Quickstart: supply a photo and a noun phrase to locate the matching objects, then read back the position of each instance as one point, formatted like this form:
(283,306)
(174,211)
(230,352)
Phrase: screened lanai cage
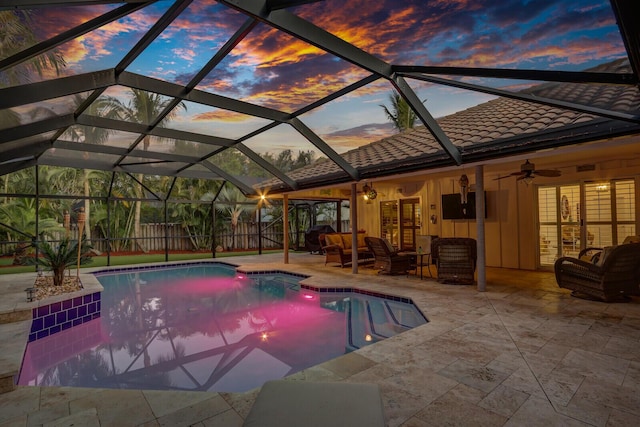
(168,120)
(125,214)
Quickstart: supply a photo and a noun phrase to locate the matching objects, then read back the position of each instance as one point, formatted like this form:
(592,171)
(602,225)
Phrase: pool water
(205,327)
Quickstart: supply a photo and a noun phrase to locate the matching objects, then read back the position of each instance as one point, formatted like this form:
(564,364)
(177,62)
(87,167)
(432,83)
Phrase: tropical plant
(193,209)
(58,259)
(233,204)
(17,35)
(145,108)
(400,113)
(107,107)
(18,216)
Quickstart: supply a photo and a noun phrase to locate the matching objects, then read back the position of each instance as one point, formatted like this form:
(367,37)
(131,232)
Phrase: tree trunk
(87,206)
(58,276)
(136,218)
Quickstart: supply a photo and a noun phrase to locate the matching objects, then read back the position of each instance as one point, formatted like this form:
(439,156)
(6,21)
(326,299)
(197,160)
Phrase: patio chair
(612,276)
(455,259)
(387,260)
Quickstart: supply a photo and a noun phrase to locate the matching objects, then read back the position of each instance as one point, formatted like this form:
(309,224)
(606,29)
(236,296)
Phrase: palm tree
(17,35)
(107,107)
(400,113)
(20,214)
(144,108)
(195,217)
(58,259)
(231,200)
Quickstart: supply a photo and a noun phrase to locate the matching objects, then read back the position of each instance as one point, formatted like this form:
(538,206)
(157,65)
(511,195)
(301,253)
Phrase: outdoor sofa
(338,247)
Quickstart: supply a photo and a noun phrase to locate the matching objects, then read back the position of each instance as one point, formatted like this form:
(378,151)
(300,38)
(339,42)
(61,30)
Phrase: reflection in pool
(205,327)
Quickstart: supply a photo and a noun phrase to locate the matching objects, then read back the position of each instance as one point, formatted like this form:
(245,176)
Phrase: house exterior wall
(511,222)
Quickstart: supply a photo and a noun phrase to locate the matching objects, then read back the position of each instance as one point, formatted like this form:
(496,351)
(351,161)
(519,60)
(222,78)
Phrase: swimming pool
(207,327)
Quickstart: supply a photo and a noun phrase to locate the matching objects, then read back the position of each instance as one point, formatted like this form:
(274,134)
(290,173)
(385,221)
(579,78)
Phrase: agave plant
(59,258)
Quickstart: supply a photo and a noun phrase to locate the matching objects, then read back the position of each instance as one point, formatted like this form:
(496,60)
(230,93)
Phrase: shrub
(59,258)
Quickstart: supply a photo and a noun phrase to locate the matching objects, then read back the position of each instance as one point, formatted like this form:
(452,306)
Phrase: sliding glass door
(573,217)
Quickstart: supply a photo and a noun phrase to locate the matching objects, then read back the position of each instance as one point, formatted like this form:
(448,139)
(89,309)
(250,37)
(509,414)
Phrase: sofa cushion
(334,239)
(346,241)
(603,255)
(361,242)
(388,245)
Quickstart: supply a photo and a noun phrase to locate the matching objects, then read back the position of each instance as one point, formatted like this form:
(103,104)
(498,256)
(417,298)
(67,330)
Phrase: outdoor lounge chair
(387,260)
(455,259)
(612,276)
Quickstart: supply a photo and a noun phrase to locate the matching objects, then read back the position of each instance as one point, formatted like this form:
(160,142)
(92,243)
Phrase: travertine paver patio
(522,353)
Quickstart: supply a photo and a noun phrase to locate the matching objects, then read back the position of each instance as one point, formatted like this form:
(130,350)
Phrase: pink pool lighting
(205,328)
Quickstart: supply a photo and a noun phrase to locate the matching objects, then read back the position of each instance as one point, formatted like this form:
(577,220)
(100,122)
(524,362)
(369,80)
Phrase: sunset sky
(272,69)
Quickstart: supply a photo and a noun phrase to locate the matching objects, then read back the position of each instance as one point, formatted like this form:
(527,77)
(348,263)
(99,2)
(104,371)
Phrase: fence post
(259,231)
(166,230)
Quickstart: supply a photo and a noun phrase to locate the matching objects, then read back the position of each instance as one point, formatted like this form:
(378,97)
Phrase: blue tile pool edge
(61,315)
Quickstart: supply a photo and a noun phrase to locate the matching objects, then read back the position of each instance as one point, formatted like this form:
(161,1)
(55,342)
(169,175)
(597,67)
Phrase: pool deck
(522,353)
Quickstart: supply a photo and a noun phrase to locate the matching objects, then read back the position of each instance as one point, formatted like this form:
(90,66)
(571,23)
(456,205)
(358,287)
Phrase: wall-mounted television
(452,207)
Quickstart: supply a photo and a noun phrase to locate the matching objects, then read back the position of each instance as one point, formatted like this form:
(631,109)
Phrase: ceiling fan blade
(547,172)
(510,175)
(523,176)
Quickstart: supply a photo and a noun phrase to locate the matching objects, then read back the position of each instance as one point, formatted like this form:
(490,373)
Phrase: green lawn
(101,261)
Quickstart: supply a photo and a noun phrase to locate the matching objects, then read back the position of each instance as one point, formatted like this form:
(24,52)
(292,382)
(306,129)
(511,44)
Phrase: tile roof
(494,128)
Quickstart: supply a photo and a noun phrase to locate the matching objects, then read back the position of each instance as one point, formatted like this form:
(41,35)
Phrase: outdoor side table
(419,257)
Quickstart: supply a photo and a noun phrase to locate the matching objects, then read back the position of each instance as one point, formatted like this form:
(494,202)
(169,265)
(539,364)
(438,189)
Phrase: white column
(354,228)
(285,221)
(480,208)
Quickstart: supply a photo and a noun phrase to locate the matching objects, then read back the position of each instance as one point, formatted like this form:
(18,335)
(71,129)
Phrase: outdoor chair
(611,275)
(455,259)
(387,260)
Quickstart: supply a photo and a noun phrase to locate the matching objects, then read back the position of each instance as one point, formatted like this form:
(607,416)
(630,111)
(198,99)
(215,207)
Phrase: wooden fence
(153,239)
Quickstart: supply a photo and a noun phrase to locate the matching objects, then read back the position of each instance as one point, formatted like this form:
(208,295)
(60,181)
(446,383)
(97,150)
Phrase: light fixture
(527,179)
(369,193)
(464,188)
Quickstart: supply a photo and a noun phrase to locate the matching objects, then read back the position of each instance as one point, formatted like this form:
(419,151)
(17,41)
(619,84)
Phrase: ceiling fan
(528,171)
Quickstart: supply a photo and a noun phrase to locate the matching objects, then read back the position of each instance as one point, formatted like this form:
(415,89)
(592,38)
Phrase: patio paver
(522,353)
